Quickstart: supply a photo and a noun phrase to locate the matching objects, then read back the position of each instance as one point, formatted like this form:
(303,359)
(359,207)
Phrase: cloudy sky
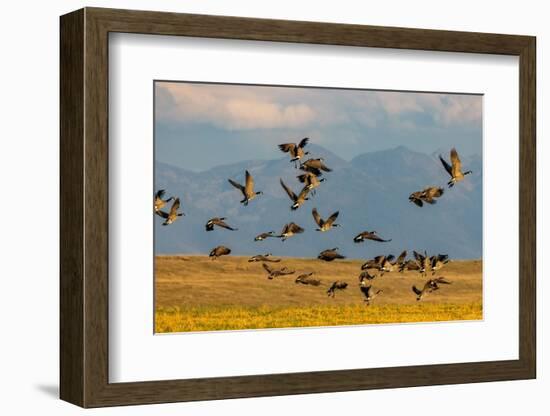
(199,126)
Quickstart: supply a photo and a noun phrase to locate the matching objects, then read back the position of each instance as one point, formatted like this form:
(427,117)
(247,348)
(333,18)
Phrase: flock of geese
(311,178)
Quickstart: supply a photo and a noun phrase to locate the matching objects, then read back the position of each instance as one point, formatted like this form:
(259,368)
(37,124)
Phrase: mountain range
(370,192)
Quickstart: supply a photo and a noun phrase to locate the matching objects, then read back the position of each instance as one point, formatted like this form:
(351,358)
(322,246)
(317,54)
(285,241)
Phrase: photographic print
(291,206)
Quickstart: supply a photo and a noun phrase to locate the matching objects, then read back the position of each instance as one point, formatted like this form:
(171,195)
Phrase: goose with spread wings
(271,273)
(324,225)
(297,200)
(429,287)
(454,169)
(369,235)
(263,257)
(330,255)
(220,222)
(369,293)
(289,230)
(427,195)
(247,190)
(295,150)
(219,251)
(315,166)
(170,217)
(337,285)
(306,279)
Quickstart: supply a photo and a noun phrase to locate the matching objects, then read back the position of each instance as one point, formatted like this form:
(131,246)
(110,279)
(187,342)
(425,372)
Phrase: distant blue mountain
(370,192)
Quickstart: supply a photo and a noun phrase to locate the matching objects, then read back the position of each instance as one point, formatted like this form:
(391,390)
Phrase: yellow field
(195,293)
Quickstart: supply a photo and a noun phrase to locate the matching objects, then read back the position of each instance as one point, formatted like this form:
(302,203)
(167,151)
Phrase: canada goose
(296,199)
(372,264)
(263,257)
(330,255)
(338,285)
(263,236)
(310,180)
(219,251)
(455,171)
(423,262)
(369,235)
(219,222)
(426,195)
(324,225)
(170,217)
(296,150)
(276,272)
(159,202)
(366,290)
(306,279)
(289,230)
(366,276)
(429,287)
(385,264)
(437,262)
(315,166)
(247,190)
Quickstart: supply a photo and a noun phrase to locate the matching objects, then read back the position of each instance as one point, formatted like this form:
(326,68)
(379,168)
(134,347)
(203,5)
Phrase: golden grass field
(195,293)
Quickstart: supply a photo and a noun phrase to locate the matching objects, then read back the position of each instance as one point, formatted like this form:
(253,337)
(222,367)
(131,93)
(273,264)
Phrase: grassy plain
(195,293)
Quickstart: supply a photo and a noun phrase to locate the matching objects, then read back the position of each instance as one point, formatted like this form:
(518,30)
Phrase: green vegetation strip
(208,318)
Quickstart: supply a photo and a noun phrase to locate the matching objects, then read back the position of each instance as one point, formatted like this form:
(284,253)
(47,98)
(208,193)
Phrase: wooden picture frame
(84,207)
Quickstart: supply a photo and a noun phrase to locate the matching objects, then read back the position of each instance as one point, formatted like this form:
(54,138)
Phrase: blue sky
(200,126)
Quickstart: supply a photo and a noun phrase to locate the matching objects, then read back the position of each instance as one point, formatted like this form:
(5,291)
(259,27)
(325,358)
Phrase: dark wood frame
(84,207)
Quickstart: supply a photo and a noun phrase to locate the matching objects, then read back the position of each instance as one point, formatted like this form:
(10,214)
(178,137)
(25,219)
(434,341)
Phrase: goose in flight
(296,199)
(367,292)
(219,251)
(271,273)
(369,235)
(248,188)
(220,222)
(423,262)
(455,171)
(296,150)
(337,285)
(289,230)
(429,287)
(306,279)
(263,257)
(401,259)
(170,217)
(159,202)
(437,262)
(263,236)
(330,255)
(427,195)
(315,166)
(324,225)
(381,263)
(409,265)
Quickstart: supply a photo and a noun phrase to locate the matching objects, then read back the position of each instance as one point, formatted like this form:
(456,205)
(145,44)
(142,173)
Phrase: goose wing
(175,207)
(447,167)
(419,257)
(289,192)
(324,167)
(416,290)
(287,147)
(402,256)
(443,280)
(317,217)
(295,228)
(375,237)
(330,220)
(223,224)
(162,214)
(160,194)
(249,184)
(455,160)
(305,178)
(236,185)
(303,142)
(267,268)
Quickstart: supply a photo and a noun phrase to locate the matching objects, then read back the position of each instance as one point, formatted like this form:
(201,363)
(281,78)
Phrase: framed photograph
(255,207)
